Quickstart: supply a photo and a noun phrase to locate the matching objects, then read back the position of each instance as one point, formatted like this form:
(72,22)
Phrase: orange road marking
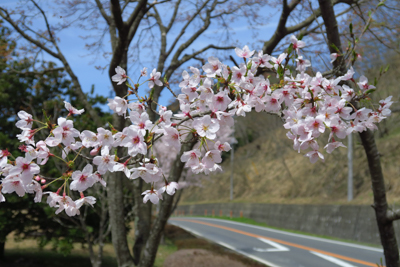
(282,242)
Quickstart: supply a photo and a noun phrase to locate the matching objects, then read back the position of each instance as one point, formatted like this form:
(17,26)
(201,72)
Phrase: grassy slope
(26,253)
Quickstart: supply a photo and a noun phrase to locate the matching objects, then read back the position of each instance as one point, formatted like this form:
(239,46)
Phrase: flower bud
(43,181)
(95,151)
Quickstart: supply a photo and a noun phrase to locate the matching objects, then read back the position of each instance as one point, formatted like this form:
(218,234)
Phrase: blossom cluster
(210,97)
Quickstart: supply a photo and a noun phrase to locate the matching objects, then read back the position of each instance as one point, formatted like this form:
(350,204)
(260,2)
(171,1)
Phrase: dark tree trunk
(142,222)
(385,225)
(150,250)
(115,191)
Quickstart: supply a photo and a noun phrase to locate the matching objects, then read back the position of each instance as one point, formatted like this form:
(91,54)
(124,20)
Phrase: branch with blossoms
(209,98)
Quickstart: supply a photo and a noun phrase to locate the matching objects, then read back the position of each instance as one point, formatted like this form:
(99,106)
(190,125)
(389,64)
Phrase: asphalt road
(278,248)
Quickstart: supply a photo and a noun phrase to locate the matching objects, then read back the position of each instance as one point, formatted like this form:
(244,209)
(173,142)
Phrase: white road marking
(270,264)
(297,235)
(277,247)
(333,260)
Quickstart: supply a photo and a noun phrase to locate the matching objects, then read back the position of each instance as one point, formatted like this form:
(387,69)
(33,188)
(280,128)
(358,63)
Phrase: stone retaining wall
(348,222)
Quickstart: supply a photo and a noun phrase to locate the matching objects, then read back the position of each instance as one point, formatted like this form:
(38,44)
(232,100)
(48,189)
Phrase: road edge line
(270,264)
(293,234)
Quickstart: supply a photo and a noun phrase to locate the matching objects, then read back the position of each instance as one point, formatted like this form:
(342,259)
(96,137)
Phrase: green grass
(253,222)
(164,250)
(32,256)
(47,258)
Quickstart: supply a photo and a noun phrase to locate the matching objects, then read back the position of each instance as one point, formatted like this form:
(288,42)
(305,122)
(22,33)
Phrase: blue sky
(83,62)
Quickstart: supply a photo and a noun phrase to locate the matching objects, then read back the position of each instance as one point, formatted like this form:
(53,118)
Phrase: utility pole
(232,157)
(350,165)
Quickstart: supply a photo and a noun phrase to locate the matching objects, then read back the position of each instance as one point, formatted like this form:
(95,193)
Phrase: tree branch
(6,16)
(103,12)
(117,16)
(182,32)
(173,15)
(393,215)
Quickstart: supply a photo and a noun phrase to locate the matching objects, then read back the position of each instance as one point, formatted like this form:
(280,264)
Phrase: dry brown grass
(268,170)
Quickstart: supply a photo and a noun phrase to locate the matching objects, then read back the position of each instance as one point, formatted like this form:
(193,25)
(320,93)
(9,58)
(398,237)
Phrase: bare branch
(103,12)
(6,16)
(46,21)
(393,215)
(182,32)
(187,57)
(173,15)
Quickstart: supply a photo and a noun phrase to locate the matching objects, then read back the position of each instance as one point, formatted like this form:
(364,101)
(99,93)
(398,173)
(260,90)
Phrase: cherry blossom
(154,79)
(333,57)
(13,184)
(210,97)
(25,121)
(72,110)
(82,180)
(25,168)
(244,53)
(153,195)
(206,127)
(120,75)
(105,162)
(169,188)
(297,44)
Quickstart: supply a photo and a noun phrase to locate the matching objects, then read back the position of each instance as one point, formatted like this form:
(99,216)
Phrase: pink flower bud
(95,151)
(43,181)
(37,178)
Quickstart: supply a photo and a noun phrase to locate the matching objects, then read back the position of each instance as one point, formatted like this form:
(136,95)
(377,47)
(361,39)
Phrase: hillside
(269,170)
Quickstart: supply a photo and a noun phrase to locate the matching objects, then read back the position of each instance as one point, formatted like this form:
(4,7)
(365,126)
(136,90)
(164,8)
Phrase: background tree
(36,88)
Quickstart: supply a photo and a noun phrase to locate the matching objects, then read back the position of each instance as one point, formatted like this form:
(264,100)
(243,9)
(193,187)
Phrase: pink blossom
(244,53)
(171,137)
(105,162)
(153,195)
(120,75)
(297,44)
(13,184)
(25,168)
(25,121)
(72,110)
(35,187)
(154,79)
(118,105)
(191,158)
(213,67)
(222,147)
(211,157)
(169,188)
(143,72)
(314,156)
(134,141)
(206,127)
(82,180)
(85,200)
(332,146)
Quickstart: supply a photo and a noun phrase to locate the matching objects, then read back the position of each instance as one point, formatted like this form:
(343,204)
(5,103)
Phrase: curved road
(278,248)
